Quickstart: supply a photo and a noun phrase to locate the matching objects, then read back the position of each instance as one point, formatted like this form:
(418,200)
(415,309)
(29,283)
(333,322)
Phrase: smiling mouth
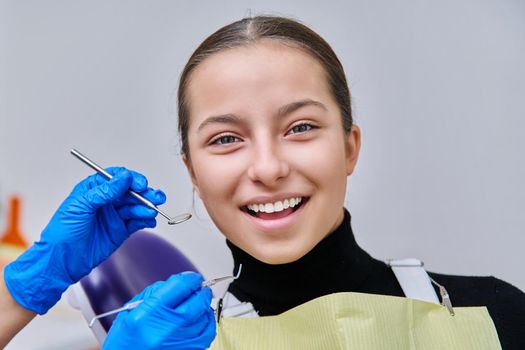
(275,210)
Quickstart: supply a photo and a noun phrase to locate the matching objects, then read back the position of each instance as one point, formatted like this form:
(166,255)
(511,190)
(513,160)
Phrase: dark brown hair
(248,31)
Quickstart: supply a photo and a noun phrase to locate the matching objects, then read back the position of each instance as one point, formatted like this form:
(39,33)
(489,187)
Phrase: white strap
(414,280)
(232,307)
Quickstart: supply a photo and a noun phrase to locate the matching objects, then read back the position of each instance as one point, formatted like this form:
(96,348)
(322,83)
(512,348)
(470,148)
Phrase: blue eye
(224,140)
(300,128)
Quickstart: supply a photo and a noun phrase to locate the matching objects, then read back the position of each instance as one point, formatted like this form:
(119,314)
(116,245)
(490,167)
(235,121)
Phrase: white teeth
(268,208)
(275,206)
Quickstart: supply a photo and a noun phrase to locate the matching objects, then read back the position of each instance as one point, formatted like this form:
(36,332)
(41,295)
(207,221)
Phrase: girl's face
(267,152)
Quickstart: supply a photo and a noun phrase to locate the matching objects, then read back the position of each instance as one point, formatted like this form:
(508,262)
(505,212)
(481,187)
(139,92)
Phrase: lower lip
(277,224)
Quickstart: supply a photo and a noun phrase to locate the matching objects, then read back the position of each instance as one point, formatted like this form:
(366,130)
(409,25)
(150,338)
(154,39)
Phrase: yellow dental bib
(362,321)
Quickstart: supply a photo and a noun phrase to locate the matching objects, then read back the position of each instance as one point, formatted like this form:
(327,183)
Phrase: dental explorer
(171,220)
(134,304)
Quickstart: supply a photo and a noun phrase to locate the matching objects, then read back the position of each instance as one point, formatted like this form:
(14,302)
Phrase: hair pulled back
(249,31)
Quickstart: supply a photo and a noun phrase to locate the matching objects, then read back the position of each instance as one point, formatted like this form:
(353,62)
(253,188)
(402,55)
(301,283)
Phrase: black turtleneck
(338,264)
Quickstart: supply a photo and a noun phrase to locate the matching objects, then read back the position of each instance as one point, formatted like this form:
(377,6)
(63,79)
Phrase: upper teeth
(275,206)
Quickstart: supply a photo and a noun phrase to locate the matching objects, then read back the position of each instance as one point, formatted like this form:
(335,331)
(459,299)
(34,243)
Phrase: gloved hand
(89,225)
(175,314)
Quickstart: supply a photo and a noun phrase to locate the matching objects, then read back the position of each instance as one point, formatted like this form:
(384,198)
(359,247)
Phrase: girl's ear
(189,167)
(353,145)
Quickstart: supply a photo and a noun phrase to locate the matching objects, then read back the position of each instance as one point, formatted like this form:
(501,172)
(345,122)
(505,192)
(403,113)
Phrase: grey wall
(438,90)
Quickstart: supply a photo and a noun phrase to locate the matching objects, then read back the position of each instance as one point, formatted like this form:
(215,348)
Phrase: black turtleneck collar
(336,264)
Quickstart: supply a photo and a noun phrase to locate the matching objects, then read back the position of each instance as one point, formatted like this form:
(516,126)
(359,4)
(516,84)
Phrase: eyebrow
(220,119)
(292,107)
(283,111)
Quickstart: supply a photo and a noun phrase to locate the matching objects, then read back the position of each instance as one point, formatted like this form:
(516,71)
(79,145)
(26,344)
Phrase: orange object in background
(13,235)
(12,241)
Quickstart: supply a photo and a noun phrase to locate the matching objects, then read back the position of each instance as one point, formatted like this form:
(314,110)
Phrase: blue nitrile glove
(175,314)
(88,226)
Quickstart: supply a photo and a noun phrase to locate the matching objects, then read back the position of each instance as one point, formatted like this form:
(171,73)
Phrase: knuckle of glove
(193,310)
(211,330)
(132,321)
(114,170)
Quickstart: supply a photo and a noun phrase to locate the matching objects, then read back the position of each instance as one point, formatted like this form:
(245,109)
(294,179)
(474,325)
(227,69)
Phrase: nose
(268,166)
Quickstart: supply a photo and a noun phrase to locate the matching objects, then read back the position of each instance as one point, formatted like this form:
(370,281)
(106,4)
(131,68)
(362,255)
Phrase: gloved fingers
(109,191)
(177,288)
(193,309)
(153,325)
(190,331)
(164,295)
(152,293)
(134,225)
(201,335)
(128,212)
(210,330)
(85,185)
(156,197)
(146,292)
(95,179)
(139,183)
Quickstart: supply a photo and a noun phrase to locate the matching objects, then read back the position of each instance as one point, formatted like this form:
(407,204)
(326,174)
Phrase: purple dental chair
(143,259)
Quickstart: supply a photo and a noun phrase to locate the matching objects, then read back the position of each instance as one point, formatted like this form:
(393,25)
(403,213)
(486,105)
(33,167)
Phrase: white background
(438,90)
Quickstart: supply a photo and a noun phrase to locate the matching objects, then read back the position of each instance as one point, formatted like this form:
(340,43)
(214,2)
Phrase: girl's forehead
(263,54)
(259,75)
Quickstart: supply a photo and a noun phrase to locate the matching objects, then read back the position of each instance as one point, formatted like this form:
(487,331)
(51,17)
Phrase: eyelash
(220,140)
(308,126)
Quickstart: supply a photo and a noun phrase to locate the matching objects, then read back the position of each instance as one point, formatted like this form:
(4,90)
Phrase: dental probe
(171,220)
(134,304)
